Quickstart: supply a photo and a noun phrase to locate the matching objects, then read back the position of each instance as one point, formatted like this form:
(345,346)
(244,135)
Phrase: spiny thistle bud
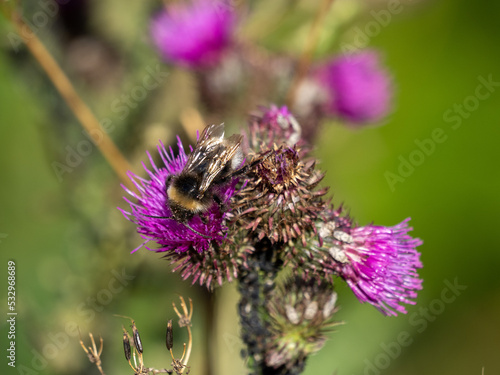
(301,313)
(279,200)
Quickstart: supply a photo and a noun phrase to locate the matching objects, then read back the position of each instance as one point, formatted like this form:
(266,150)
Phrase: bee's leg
(223,207)
(158,217)
(246,168)
(195,231)
(184,218)
(168,181)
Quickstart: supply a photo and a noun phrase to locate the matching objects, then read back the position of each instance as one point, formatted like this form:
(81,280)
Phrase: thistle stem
(82,112)
(255,284)
(209,302)
(307,54)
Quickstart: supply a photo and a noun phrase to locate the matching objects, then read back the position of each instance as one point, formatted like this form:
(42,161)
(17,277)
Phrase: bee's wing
(211,154)
(220,158)
(213,131)
(210,139)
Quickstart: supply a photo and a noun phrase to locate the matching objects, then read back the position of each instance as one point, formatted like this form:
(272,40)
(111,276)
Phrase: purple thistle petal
(382,266)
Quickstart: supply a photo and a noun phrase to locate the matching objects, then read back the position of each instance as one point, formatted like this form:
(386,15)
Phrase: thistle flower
(382,266)
(300,314)
(194,35)
(256,283)
(279,200)
(379,263)
(207,258)
(359,90)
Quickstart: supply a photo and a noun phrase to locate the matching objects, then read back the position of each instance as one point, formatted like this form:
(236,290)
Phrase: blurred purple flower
(274,125)
(358,88)
(276,117)
(153,217)
(379,264)
(194,35)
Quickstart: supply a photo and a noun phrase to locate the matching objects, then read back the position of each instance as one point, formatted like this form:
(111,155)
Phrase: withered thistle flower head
(279,200)
(280,170)
(300,314)
(208,259)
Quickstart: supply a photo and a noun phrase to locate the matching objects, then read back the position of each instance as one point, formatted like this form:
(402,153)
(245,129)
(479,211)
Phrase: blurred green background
(71,245)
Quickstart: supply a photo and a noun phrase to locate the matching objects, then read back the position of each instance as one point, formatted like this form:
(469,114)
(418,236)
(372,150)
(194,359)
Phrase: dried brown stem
(185,321)
(307,54)
(82,112)
(93,354)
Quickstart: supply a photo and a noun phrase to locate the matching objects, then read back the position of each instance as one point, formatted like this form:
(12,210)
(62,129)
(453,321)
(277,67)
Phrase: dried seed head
(279,172)
(137,338)
(170,335)
(126,345)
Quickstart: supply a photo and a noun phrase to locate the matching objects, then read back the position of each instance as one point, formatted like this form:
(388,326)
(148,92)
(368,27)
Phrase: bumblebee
(213,162)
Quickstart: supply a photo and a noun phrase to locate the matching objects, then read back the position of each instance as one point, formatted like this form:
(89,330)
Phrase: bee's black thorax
(188,184)
(184,197)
